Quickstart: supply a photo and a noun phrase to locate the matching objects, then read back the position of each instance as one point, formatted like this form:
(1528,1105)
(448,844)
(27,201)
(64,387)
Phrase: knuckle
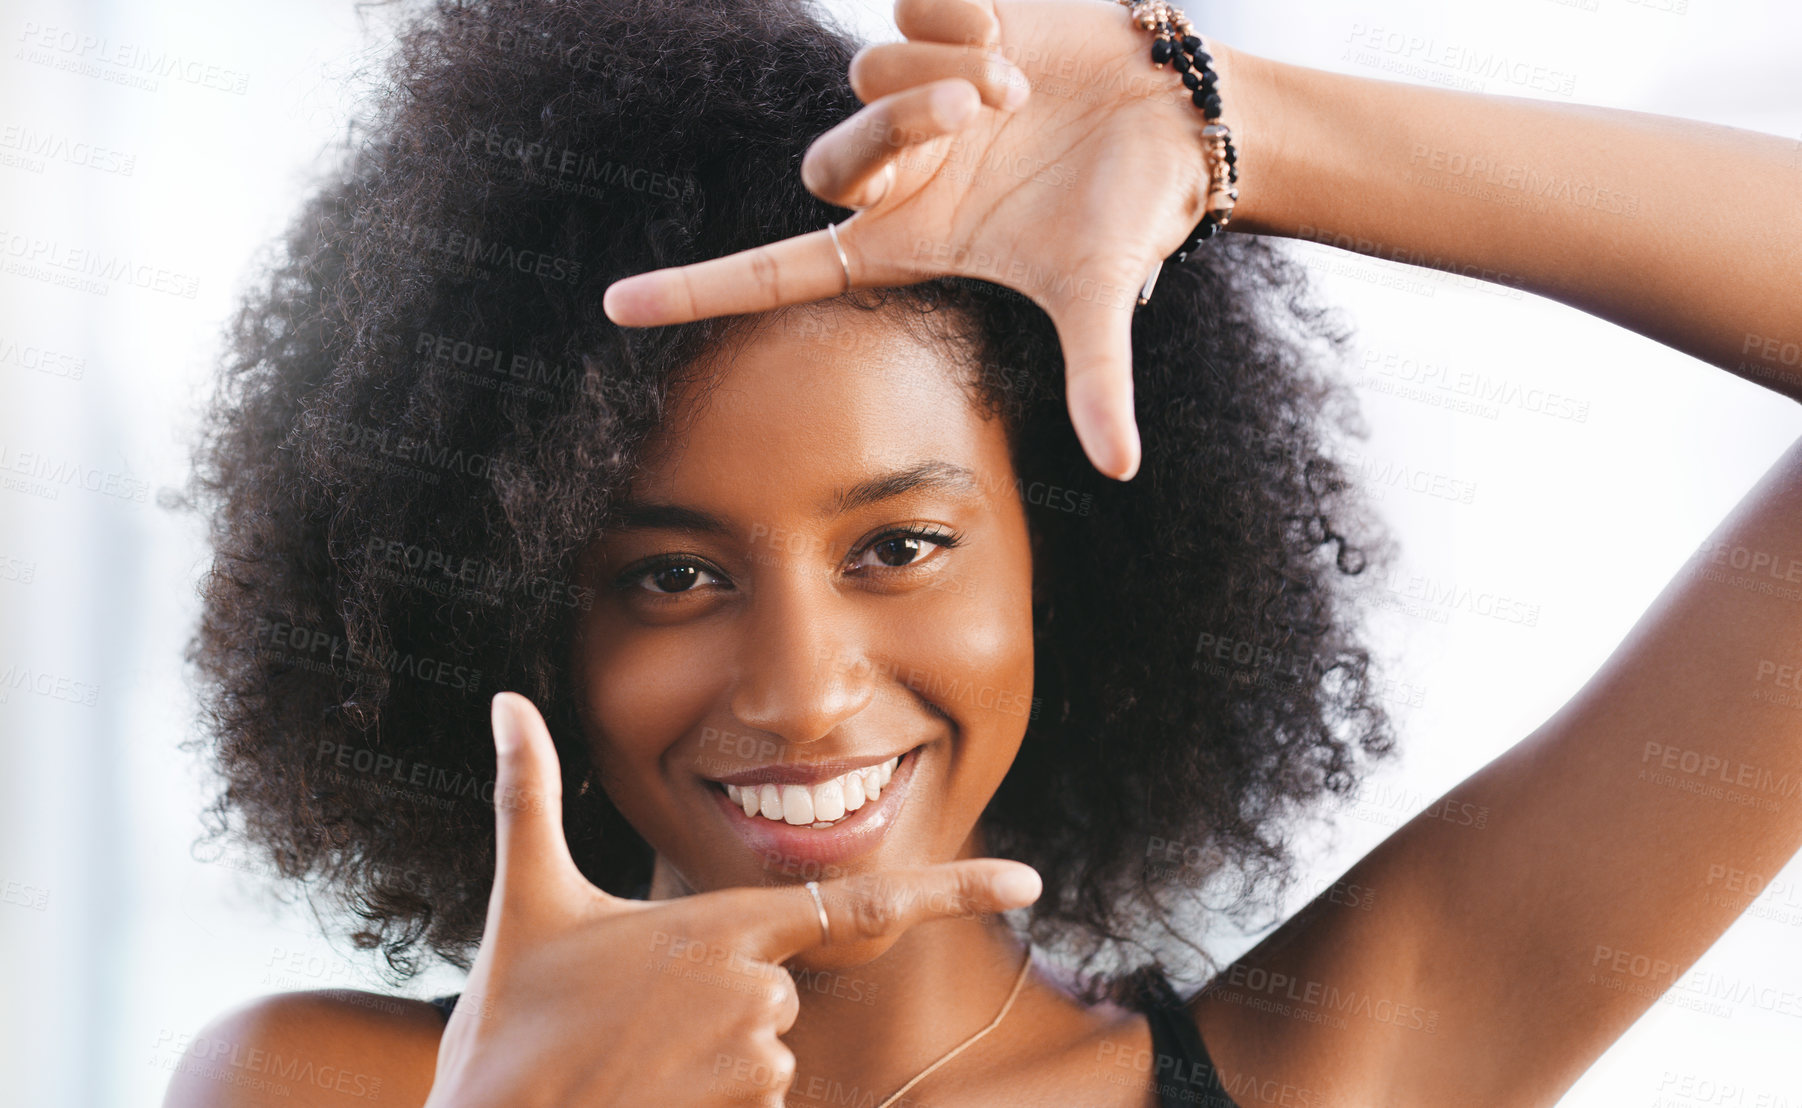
(764,271)
(686,285)
(968,895)
(774,998)
(1110,265)
(876,912)
(781,1061)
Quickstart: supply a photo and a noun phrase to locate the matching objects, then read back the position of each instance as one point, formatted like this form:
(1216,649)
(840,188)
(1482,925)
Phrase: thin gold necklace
(1019,979)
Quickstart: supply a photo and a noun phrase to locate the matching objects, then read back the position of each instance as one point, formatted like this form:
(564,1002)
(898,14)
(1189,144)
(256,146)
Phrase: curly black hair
(424,417)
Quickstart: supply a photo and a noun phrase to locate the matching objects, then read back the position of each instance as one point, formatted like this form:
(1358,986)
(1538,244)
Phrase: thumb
(531,855)
(1096,337)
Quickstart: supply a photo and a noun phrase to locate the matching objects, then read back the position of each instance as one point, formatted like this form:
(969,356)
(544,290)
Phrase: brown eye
(904,549)
(671,579)
(898,551)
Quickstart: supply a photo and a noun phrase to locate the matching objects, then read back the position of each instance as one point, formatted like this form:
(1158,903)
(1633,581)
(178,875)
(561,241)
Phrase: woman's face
(824,566)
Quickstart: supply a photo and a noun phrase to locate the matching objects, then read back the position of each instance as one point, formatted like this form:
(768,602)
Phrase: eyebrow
(927,476)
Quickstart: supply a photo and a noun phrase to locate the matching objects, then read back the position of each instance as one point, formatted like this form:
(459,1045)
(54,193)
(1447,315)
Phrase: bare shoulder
(321,1047)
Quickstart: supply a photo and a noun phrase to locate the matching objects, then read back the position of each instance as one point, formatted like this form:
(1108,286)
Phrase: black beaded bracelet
(1175,42)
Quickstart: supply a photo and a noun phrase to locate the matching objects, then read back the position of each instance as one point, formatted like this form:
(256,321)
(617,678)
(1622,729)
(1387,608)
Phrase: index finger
(881,905)
(792,271)
(966,22)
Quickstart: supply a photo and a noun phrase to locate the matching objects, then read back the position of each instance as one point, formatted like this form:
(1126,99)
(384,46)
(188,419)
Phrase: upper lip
(811,772)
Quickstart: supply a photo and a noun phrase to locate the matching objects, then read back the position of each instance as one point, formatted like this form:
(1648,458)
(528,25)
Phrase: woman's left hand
(1070,195)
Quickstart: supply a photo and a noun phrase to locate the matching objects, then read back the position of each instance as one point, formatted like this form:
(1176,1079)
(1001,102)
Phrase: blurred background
(1594,469)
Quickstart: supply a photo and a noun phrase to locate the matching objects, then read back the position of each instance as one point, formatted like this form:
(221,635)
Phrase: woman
(824,593)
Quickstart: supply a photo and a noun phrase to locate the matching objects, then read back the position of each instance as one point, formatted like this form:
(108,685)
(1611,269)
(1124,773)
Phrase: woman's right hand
(579,997)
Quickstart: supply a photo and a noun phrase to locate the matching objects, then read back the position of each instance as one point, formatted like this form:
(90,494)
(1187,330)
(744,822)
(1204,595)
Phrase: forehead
(817,398)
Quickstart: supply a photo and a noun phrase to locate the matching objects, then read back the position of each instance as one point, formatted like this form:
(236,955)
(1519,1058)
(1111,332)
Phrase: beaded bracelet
(1175,41)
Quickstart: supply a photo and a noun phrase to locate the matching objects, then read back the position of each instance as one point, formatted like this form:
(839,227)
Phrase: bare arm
(1519,926)
(1688,233)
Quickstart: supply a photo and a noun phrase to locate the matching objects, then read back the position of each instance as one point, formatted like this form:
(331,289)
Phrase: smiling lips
(785,823)
(821,805)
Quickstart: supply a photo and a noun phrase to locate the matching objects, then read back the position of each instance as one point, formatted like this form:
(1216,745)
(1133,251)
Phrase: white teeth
(829,800)
(797,804)
(820,805)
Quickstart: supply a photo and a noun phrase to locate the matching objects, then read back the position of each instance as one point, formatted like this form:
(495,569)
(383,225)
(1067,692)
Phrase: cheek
(642,693)
(970,653)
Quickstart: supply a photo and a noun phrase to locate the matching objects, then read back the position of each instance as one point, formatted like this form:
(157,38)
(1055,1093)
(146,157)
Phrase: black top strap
(1182,1073)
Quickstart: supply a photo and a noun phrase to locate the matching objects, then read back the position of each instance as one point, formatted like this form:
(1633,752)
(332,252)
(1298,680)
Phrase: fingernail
(1019,885)
(1118,457)
(1136,453)
(1017,88)
(1106,457)
(504,723)
(618,298)
(953,104)
(610,301)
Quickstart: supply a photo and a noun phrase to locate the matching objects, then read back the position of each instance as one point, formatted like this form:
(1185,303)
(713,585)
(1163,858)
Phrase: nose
(802,664)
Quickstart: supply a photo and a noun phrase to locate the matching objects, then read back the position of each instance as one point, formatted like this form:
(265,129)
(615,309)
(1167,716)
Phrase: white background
(136,944)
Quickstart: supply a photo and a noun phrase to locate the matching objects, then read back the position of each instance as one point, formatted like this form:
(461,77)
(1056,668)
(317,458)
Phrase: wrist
(1256,93)
(1249,107)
